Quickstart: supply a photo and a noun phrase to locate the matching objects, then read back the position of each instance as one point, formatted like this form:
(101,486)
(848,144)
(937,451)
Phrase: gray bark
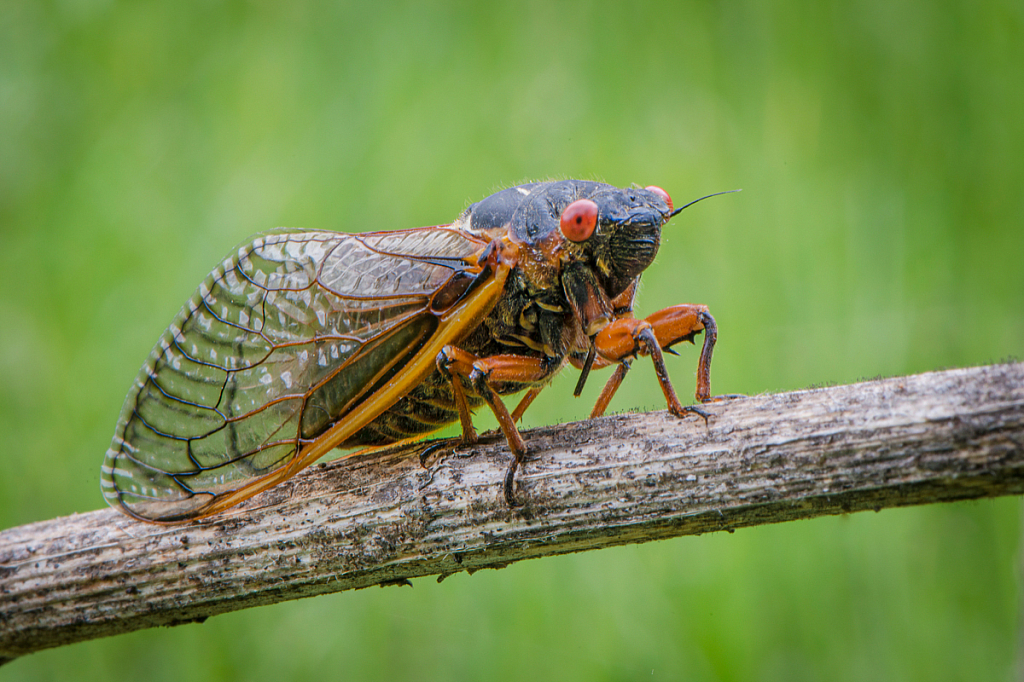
(381,519)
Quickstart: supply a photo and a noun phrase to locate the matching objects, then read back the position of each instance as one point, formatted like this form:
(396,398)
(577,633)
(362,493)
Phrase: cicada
(305,341)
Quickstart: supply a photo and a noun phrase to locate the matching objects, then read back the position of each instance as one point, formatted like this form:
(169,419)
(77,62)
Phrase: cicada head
(597,238)
(614,231)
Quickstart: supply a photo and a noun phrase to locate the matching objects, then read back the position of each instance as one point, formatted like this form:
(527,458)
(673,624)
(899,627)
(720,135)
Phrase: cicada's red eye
(579,220)
(662,193)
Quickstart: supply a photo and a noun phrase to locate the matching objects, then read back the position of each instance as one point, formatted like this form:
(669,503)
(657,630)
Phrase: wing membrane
(281,342)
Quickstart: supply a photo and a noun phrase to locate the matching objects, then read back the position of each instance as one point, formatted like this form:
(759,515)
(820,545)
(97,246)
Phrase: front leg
(627,338)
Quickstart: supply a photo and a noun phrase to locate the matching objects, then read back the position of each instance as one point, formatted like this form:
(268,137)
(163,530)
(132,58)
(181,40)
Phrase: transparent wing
(277,344)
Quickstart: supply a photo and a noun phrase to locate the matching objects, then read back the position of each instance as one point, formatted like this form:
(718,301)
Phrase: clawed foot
(438,449)
(509,485)
(684,410)
(435,451)
(691,409)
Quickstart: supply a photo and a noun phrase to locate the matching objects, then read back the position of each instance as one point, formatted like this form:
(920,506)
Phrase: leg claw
(692,409)
(509,485)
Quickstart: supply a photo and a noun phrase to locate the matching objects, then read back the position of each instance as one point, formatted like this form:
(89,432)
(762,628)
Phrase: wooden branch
(630,478)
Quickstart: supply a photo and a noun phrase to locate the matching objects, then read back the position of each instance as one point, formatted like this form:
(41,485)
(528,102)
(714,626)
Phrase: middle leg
(483,374)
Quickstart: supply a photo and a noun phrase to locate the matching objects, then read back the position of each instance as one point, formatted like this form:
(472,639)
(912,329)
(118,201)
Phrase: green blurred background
(880,147)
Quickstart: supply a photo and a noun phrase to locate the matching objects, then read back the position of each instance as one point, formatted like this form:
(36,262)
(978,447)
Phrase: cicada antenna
(728,191)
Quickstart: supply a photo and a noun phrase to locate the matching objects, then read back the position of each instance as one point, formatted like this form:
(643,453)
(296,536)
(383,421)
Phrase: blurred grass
(880,147)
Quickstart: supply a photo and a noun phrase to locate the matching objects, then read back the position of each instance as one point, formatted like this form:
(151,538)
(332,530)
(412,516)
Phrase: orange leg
(626,338)
(454,363)
(609,389)
(482,374)
(527,400)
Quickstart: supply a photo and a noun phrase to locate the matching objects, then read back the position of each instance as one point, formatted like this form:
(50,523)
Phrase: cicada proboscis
(304,341)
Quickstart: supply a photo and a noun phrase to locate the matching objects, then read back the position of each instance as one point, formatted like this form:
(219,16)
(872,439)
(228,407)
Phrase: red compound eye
(579,220)
(662,193)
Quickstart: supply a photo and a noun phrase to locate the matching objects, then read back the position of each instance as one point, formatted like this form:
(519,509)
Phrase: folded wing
(281,342)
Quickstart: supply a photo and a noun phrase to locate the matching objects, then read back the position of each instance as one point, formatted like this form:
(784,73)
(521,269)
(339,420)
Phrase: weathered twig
(631,478)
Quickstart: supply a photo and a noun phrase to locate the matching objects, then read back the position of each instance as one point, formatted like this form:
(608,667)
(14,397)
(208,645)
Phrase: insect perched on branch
(304,341)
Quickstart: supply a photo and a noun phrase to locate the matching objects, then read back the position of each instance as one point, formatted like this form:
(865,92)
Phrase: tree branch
(384,519)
